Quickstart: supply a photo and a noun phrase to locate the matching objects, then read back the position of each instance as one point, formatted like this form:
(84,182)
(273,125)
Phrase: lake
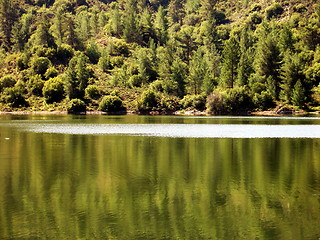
(159,177)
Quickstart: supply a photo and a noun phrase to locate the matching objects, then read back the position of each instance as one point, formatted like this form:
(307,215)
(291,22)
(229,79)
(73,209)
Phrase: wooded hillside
(159,55)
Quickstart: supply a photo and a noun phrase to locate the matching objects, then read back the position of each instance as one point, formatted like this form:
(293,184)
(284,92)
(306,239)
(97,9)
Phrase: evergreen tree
(198,71)
(8,17)
(42,36)
(77,76)
(246,57)
(175,11)
(83,26)
(298,95)
(292,72)
(178,76)
(71,36)
(230,61)
(268,62)
(115,21)
(146,26)
(161,26)
(58,29)
(130,21)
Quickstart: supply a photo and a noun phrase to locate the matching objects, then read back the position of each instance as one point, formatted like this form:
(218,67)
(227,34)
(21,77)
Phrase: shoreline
(177,113)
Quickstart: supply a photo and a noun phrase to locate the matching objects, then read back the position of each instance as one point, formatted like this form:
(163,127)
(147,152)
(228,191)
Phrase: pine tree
(42,36)
(77,76)
(175,11)
(58,27)
(198,71)
(246,57)
(268,61)
(8,17)
(298,95)
(71,36)
(230,61)
(161,26)
(178,76)
(130,21)
(146,26)
(292,72)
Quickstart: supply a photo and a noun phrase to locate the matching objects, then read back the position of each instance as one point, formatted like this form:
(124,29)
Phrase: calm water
(139,177)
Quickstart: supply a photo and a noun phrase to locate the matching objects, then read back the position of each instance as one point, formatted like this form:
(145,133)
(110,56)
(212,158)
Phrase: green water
(69,184)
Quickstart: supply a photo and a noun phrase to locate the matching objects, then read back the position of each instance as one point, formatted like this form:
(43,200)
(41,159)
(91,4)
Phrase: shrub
(92,92)
(40,65)
(238,100)
(104,63)
(169,103)
(136,80)
(197,102)
(255,8)
(157,86)
(76,106)
(300,8)
(53,90)
(274,11)
(116,61)
(92,53)
(51,73)
(7,81)
(148,101)
(255,18)
(14,96)
(22,62)
(65,52)
(263,101)
(119,47)
(216,103)
(220,17)
(35,85)
(111,104)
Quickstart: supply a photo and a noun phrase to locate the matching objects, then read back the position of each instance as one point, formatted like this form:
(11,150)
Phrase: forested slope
(159,55)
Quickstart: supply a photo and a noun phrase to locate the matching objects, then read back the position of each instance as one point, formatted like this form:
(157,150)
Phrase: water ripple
(183,130)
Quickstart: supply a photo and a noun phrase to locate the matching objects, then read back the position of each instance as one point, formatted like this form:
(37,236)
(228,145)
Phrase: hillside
(227,57)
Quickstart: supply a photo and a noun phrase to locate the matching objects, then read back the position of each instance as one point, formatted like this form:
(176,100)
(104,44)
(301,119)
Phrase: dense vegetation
(159,55)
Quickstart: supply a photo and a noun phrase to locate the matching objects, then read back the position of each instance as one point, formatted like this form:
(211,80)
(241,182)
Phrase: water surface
(138,177)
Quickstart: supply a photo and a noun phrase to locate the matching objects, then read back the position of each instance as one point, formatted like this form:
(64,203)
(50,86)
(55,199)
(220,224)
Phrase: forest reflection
(125,187)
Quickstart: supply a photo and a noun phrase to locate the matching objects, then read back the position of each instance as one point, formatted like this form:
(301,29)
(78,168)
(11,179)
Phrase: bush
(35,85)
(14,96)
(92,92)
(238,100)
(53,90)
(274,11)
(40,65)
(263,101)
(51,73)
(157,86)
(231,101)
(197,102)
(64,52)
(22,62)
(7,81)
(255,8)
(220,17)
(216,103)
(76,106)
(148,101)
(169,103)
(300,8)
(104,63)
(255,18)
(111,104)
(92,53)
(135,80)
